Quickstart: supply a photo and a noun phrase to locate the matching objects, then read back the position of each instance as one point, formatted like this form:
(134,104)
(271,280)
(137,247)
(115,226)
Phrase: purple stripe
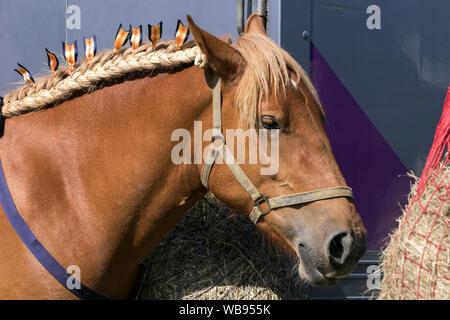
(36,248)
(366,160)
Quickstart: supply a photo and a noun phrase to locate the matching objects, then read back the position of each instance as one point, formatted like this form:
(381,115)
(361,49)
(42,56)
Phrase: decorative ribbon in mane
(136,37)
(121,38)
(53,62)
(181,34)
(50,92)
(90,47)
(70,53)
(154,33)
(25,74)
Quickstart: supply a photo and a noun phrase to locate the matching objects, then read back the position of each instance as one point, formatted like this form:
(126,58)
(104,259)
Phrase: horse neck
(103,162)
(155,190)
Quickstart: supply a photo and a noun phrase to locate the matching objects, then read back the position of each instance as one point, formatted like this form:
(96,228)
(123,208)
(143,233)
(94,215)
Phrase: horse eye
(270,122)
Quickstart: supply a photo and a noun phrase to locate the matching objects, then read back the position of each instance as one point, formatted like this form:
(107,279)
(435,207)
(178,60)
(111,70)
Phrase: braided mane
(105,69)
(268,69)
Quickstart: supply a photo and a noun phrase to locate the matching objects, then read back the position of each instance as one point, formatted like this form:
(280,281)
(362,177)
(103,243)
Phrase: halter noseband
(263,205)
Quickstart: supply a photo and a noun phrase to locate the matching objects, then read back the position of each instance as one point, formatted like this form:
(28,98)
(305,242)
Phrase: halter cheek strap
(262,204)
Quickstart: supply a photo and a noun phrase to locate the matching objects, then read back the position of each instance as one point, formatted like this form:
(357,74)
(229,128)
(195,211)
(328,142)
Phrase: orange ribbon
(25,74)
(154,33)
(90,47)
(121,38)
(53,62)
(181,34)
(70,53)
(136,37)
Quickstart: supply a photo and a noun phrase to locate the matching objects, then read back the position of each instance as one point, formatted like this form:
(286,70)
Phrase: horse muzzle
(339,256)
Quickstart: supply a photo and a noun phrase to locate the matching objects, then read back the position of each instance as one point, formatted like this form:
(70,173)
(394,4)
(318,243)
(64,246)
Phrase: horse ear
(255,24)
(221,56)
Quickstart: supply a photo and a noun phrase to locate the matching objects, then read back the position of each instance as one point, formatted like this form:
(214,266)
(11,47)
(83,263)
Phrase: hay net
(416,263)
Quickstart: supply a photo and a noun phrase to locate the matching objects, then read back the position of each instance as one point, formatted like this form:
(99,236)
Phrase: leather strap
(239,174)
(217,106)
(305,197)
(302,198)
(213,152)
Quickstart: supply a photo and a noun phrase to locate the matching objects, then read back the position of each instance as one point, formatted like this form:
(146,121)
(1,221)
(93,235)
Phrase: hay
(416,262)
(213,255)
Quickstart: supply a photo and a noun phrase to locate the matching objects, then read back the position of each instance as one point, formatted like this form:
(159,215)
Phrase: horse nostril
(339,247)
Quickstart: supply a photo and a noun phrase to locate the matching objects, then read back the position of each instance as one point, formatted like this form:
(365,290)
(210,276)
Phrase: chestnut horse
(93,179)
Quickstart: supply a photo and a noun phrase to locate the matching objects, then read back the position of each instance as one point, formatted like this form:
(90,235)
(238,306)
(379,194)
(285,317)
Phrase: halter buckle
(217,137)
(260,201)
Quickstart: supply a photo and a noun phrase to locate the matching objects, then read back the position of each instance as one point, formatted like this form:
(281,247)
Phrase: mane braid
(105,69)
(268,70)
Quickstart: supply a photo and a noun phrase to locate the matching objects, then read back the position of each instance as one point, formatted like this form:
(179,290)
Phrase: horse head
(264,89)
